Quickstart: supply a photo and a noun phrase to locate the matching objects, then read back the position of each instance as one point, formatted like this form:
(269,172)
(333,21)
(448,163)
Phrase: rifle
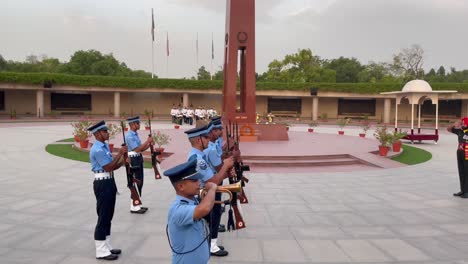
(132,182)
(239,167)
(154,160)
(235,206)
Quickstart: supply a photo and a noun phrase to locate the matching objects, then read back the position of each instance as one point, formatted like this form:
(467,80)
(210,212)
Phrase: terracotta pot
(77,139)
(147,128)
(362,135)
(310,130)
(396,147)
(126,129)
(176,126)
(383,150)
(111,147)
(84,144)
(340,132)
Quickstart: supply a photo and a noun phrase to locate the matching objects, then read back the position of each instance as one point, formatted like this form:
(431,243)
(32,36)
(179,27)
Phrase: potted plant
(12,114)
(396,140)
(365,126)
(312,124)
(342,123)
(324,117)
(82,133)
(382,135)
(161,139)
(113,130)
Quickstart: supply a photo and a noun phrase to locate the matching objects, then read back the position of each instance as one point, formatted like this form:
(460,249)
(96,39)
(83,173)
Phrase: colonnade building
(45,98)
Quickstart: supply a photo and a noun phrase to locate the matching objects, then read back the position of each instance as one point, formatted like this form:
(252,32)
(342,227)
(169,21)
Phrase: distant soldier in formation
(190,115)
(173,113)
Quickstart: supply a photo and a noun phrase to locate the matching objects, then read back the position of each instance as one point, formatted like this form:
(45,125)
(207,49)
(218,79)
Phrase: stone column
(315,102)
(117,104)
(387,107)
(40,104)
(185,100)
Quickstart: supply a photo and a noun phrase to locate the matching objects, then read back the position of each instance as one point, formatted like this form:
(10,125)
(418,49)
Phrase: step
(337,162)
(315,157)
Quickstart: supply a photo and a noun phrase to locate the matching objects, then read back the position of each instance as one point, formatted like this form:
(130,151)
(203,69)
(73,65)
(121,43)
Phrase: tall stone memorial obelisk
(239,62)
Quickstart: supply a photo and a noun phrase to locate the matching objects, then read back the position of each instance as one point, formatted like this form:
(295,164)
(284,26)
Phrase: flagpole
(167,53)
(152,43)
(212,55)
(152,59)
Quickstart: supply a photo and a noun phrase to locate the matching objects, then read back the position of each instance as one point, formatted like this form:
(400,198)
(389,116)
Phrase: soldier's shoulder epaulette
(184,202)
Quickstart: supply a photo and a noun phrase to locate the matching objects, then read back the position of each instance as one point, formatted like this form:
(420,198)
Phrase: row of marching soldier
(188,115)
(209,162)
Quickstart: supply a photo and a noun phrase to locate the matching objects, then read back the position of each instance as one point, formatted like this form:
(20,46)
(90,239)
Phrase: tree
(32,59)
(219,75)
(203,74)
(374,72)
(347,70)
(302,66)
(441,71)
(3,63)
(81,62)
(408,62)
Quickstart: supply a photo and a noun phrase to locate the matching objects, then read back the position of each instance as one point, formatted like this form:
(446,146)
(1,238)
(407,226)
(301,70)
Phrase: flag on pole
(212,47)
(167,43)
(196,47)
(152,24)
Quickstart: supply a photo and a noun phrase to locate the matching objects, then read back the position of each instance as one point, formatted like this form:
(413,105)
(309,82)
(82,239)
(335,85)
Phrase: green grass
(67,140)
(413,155)
(68,152)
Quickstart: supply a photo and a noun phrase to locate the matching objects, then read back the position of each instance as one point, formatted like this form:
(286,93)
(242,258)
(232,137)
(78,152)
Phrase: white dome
(417,86)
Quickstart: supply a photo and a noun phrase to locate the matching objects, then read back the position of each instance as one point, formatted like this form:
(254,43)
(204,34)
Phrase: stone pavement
(401,215)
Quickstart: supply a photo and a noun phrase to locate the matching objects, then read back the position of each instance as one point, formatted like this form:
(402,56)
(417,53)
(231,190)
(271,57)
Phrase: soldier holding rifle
(213,154)
(187,231)
(105,189)
(461,130)
(199,139)
(136,148)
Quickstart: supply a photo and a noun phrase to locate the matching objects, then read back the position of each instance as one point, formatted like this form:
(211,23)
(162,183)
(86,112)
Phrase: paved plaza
(398,215)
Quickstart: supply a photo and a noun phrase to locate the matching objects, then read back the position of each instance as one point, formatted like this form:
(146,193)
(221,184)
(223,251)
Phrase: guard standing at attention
(105,189)
(186,229)
(461,130)
(136,148)
(213,157)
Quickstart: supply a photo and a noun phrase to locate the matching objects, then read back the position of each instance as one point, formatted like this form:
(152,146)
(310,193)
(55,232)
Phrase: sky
(369,30)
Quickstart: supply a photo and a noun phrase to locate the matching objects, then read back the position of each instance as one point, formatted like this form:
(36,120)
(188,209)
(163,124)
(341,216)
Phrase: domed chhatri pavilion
(416,92)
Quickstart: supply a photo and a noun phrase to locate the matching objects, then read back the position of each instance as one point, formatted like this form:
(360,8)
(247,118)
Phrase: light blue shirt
(212,156)
(203,167)
(185,234)
(132,139)
(99,156)
(219,145)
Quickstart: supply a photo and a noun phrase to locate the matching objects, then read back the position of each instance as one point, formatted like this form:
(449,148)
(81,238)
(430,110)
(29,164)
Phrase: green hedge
(127,82)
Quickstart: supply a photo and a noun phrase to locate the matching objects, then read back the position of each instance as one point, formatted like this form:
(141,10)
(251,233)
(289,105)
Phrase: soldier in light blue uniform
(136,148)
(187,231)
(102,166)
(199,138)
(216,121)
(213,156)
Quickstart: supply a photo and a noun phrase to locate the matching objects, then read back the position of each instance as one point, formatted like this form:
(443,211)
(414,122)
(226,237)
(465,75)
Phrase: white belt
(133,154)
(102,176)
